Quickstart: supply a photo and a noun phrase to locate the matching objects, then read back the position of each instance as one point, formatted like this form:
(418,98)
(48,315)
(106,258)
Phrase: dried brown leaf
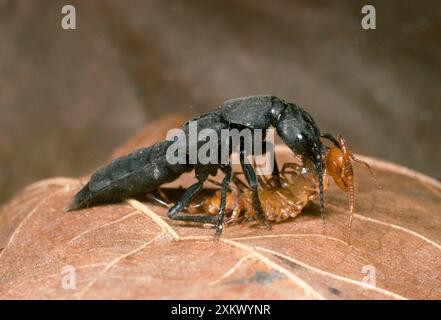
(132,250)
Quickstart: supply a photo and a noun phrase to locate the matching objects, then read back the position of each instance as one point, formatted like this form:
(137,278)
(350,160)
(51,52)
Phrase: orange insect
(339,167)
(297,186)
(281,199)
(285,196)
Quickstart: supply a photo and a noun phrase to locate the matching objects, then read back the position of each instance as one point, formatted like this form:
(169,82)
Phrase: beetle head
(299,132)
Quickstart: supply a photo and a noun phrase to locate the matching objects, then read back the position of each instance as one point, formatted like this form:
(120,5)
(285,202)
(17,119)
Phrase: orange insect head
(339,167)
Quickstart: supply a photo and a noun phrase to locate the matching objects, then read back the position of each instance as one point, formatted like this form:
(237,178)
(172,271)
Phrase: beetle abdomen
(141,171)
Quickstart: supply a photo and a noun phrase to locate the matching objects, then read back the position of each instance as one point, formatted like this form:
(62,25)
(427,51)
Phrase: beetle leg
(250,175)
(189,194)
(236,180)
(275,174)
(221,213)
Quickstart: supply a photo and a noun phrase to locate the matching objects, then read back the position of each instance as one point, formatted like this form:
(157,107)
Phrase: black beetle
(147,169)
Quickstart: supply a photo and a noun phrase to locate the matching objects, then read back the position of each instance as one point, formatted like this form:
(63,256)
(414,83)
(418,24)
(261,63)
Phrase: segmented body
(296,187)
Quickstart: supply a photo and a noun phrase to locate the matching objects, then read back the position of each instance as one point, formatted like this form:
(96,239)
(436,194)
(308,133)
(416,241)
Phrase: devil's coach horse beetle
(147,169)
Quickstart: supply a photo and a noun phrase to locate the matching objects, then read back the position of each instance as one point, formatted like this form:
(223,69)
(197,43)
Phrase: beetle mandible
(147,169)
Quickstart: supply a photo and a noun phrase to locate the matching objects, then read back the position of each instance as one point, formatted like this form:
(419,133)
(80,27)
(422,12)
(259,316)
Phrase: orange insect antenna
(374,178)
(342,142)
(351,212)
(351,188)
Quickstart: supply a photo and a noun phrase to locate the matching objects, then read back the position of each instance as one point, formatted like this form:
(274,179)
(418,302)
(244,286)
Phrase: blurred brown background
(69,97)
